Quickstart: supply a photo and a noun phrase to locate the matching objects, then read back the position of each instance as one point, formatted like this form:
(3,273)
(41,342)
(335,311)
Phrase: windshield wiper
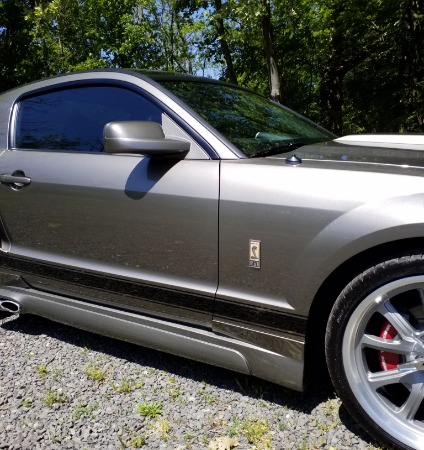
(282,147)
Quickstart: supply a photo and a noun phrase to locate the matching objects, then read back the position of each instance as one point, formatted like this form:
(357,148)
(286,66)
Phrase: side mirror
(144,138)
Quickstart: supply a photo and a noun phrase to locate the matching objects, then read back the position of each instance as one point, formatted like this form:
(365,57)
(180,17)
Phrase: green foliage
(94,372)
(127,385)
(256,431)
(151,410)
(42,370)
(137,442)
(51,397)
(26,402)
(351,66)
(84,410)
(164,428)
(134,442)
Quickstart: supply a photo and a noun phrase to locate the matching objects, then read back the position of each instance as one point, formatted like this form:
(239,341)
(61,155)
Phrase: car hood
(380,150)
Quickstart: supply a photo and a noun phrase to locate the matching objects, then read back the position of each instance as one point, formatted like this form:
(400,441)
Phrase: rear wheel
(375,351)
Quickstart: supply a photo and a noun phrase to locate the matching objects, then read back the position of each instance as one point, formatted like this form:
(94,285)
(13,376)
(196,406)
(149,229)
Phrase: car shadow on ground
(253,387)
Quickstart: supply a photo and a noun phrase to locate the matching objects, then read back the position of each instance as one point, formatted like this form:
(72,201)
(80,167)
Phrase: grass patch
(26,402)
(206,395)
(151,410)
(331,410)
(163,427)
(137,442)
(304,444)
(256,431)
(235,428)
(94,372)
(83,410)
(189,437)
(51,397)
(327,426)
(127,385)
(134,442)
(331,407)
(209,398)
(42,370)
(175,393)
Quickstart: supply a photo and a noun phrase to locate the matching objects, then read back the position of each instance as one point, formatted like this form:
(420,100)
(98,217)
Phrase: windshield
(255,125)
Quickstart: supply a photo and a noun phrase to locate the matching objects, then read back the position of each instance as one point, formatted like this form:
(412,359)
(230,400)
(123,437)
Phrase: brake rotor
(388,360)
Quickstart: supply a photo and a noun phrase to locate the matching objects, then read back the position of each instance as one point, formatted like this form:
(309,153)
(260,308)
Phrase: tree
(225,48)
(352,66)
(15,43)
(268,33)
(413,51)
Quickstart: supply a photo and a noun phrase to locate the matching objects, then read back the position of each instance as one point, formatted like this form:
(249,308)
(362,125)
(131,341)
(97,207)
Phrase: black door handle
(16,180)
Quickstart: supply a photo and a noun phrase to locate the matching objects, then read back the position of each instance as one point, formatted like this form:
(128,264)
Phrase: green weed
(127,385)
(51,397)
(175,393)
(189,436)
(304,445)
(26,402)
(257,432)
(94,372)
(150,409)
(137,442)
(82,410)
(133,443)
(162,427)
(42,370)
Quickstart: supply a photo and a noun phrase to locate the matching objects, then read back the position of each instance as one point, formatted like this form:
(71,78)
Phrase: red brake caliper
(388,361)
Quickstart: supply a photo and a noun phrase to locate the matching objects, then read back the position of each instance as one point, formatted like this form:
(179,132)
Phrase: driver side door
(122,230)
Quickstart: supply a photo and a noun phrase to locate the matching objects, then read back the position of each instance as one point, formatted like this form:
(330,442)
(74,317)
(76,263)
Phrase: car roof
(163,75)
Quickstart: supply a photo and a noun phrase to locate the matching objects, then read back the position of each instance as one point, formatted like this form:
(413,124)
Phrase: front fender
(356,231)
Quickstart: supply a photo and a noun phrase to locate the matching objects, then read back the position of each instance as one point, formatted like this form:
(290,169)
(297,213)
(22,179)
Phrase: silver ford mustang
(201,219)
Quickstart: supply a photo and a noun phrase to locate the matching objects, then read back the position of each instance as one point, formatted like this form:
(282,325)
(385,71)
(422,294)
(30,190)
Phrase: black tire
(375,351)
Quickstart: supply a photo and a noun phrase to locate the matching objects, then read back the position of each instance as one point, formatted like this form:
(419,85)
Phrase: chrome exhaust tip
(10,306)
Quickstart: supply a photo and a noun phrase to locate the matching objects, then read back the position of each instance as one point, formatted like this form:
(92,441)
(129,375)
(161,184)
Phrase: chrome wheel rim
(394,398)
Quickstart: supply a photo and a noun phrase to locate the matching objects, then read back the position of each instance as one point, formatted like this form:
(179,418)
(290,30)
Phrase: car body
(165,231)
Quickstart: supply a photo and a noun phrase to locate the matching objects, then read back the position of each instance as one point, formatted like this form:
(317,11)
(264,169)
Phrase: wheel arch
(326,295)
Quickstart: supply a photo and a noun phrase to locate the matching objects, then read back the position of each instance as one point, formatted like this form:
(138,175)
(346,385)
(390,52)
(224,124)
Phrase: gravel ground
(62,388)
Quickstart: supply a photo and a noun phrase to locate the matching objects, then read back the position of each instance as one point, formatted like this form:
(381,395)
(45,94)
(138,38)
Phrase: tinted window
(73,119)
(251,122)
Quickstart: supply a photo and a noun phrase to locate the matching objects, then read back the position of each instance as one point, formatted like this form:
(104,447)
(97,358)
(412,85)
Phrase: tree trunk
(332,97)
(273,73)
(339,62)
(220,28)
(139,13)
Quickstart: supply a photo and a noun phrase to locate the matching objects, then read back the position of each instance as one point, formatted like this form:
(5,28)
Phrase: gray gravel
(62,388)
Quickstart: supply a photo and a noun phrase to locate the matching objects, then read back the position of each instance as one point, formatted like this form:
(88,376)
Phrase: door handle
(16,180)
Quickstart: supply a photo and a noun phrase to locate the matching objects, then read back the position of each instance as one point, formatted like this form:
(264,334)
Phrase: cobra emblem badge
(255,254)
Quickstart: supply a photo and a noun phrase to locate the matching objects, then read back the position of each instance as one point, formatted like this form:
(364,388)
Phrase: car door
(123,230)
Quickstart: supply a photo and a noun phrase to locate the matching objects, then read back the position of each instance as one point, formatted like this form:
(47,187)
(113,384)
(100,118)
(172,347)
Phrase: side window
(73,119)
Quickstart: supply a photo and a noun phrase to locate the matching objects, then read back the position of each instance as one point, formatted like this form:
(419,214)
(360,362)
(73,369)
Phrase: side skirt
(190,342)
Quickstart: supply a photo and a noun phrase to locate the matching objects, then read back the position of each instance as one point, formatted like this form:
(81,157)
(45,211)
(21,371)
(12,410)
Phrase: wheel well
(315,364)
